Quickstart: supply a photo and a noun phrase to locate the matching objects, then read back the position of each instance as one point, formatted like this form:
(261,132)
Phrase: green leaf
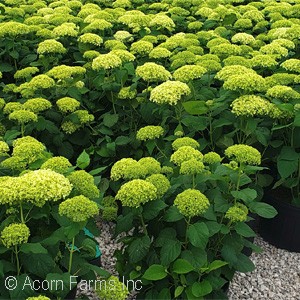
(245,194)
(155,272)
(173,215)
(110,120)
(33,248)
(152,209)
(297,120)
(263,209)
(124,223)
(138,249)
(244,230)
(182,266)
(11,135)
(200,289)
(170,251)
(164,237)
(244,264)
(216,264)
(24,288)
(63,283)
(198,234)
(122,140)
(195,107)
(83,160)
(178,291)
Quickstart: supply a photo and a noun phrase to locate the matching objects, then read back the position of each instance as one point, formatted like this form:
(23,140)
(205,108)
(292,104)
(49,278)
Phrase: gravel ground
(276,277)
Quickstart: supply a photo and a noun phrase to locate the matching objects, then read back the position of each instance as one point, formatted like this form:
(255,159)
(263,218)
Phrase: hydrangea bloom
(23,116)
(78,209)
(114,289)
(26,72)
(211,158)
(149,165)
(3,147)
(185,141)
(136,192)
(233,70)
(90,38)
(291,65)
(106,62)
(119,169)
(51,46)
(124,55)
(283,92)
(237,213)
(40,297)
(58,164)
(160,52)
(67,104)
(141,47)
(162,21)
(66,29)
(127,93)
(243,38)
(161,183)
(185,153)
(169,92)
(37,105)
(191,203)
(188,73)
(191,167)
(149,133)
(265,61)
(15,234)
(244,154)
(66,72)
(153,72)
(84,184)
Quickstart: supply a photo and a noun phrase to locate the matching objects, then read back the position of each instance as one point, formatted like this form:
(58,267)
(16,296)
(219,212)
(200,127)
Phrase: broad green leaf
(244,264)
(198,234)
(263,209)
(195,107)
(200,289)
(170,251)
(178,291)
(138,249)
(33,248)
(83,160)
(244,230)
(153,208)
(182,266)
(155,272)
(110,120)
(216,264)
(173,215)
(245,194)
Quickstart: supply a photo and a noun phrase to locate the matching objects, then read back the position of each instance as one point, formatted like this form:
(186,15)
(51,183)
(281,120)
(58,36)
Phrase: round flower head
(169,92)
(283,92)
(191,167)
(120,168)
(66,72)
(26,72)
(114,45)
(136,192)
(50,46)
(237,60)
(127,93)
(141,47)
(237,213)
(97,25)
(58,164)
(191,203)
(162,21)
(243,154)
(161,183)
(265,61)
(67,104)
(275,49)
(149,133)
(189,73)
(78,209)
(123,36)
(90,38)
(69,127)
(14,163)
(185,141)
(149,165)
(160,52)
(40,297)
(185,153)
(84,184)
(292,65)
(211,158)
(109,213)
(83,116)
(124,55)
(41,82)
(243,38)
(23,116)
(246,82)
(166,170)
(66,29)
(114,289)
(15,234)
(233,70)
(106,62)
(40,186)
(2,103)
(152,72)
(37,105)
(3,147)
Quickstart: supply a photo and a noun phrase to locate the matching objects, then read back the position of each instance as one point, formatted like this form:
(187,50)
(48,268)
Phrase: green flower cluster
(51,46)
(78,209)
(211,158)
(285,93)
(169,92)
(109,211)
(112,289)
(136,192)
(237,213)
(185,141)
(153,72)
(244,154)
(149,132)
(189,73)
(64,72)
(84,184)
(191,167)
(15,234)
(185,153)
(57,164)
(23,116)
(40,297)
(191,203)
(67,104)
(292,65)
(3,147)
(161,183)
(127,93)
(37,105)
(106,62)
(90,38)
(25,72)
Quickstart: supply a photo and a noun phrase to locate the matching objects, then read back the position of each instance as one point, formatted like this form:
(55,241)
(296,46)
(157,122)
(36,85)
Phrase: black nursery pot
(282,231)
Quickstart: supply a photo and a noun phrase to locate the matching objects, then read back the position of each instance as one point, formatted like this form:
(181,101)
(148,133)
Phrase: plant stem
(193,176)
(160,150)
(17,259)
(22,129)
(144,225)
(71,255)
(22,214)
(186,234)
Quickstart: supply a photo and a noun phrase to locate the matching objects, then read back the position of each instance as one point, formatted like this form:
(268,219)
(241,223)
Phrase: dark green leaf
(138,249)
(83,160)
(33,248)
(155,272)
(182,266)
(152,209)
(195,107)
(173,215)
(200,289)
(198,234)
(244,230)
(170,251)
(263,209)
(110,120)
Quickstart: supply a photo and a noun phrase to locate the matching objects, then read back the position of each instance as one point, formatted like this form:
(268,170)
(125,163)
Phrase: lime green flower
(3,147)
(243,38)
(84,184)
(149,165)
(136,192)
(225,50)
(112,289)
(263,61)
(124,55)
(189,73)
(83,116)
(191,203)
(185,141)
(244,154)
(149,132)
(169,92)
(66,29)
(115,45)
(97,25)
(191,167)
(2,103)
(211,158)
(161,183)
(237,213)
(123,36)
(40,297)
(15,234)
(119,169)
(23,116)
(237,60)
(14,163)
(233,70)
(41,82)
(141,47)
(162,21)
(90,54)
(67,104)
(69,127)
(185,153)
(109,213)
(153,72)
(66,72)
(127,93)
(26,72)
(292,65)
(78,209)
(166,170)
(90,38)
(283,92)
(275,49)
(37,105)
(106,62)
(160,52)
(58,164)
(51,46)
